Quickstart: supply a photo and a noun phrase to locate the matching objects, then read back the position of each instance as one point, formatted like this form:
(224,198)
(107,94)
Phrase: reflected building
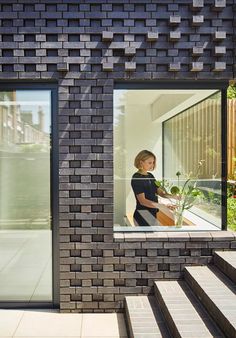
(17,125)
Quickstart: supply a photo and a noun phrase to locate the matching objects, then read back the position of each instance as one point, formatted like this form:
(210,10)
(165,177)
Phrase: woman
(145,190)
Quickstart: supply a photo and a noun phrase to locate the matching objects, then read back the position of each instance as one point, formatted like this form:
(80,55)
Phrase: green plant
(231,212)
(231,205)
(212,197)
(185,194)
(231,92)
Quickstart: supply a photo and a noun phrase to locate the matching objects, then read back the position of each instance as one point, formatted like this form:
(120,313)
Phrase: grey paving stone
(179,312)
(218,299)
(144,318)
(226,262)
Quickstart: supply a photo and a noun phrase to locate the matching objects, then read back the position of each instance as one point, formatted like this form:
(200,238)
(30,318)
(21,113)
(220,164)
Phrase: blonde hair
(143,156)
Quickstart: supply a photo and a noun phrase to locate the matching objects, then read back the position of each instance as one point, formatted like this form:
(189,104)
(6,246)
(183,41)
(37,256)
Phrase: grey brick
(219,5)
(197,4)
(220,35)
(175,35)
(174,67)
(107,36)
(220,50)
(175,19)
(197,20)
(130,66)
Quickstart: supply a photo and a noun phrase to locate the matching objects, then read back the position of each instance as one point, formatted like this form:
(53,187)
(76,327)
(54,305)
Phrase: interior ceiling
(167,102)
(163,102)
(148,97)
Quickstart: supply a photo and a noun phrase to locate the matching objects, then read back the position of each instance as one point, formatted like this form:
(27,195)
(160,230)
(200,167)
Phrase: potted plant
(183,195)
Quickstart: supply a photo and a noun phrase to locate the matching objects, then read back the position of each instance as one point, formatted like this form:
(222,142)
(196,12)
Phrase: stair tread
(145,317)
(187,320)
(223,298)
(228,256)
(226,262)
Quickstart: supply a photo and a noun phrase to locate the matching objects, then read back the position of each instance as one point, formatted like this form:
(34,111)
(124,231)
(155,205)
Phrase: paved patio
(47,323)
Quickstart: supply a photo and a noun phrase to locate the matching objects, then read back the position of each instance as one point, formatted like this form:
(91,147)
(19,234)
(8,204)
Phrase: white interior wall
(140,133)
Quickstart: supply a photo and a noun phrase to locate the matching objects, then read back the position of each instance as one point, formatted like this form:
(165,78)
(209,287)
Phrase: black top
(144,184)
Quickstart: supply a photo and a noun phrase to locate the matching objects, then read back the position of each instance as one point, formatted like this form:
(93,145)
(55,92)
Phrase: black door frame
(221,85)
(54,191)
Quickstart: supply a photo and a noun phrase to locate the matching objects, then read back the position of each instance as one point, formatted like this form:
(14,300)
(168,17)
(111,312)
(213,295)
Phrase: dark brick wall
(85,46)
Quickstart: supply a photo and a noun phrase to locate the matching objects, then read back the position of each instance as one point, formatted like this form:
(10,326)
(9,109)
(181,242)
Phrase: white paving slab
(49,324)
(9,321)
(103,325)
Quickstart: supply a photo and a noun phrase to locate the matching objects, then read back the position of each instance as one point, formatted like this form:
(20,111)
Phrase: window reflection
(25,215)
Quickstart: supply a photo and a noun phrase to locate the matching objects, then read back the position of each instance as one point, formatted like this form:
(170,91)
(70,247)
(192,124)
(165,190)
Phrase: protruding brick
(219,5)
(130,66)
(175,20)
(107,66)
(174,67)
(152,36)
(107,36)
(130,51)
(220,35)
(220,50)
(197,66)
(197,51)
(197,4)
(219,67)
(63,67)
(197,20)
(175,35)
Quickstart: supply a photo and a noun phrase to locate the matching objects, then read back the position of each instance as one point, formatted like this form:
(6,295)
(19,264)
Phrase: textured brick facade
(85,46)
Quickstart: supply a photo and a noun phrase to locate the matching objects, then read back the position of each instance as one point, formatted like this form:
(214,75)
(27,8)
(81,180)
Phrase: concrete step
(181,314)
(217,298)
(226,262)
(144,319)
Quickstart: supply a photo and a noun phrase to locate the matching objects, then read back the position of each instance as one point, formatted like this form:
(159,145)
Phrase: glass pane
(192,143)
(181,132)
(25,215)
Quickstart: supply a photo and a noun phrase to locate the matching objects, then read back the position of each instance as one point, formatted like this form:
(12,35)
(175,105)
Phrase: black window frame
(220,85)
(54,192)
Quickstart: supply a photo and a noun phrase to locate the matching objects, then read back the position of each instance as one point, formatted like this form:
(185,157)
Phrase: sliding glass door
(25,201)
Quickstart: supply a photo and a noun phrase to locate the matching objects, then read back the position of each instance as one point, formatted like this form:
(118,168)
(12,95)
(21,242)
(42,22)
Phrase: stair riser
(212,309)
(225,267)
(170,322)
(128,322)
(144,318)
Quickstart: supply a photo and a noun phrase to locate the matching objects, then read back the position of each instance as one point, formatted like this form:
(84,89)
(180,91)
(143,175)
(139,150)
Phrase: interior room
(183,129)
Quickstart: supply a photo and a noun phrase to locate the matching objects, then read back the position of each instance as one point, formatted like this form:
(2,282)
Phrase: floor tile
(104,325)
(9,320)
(49,324)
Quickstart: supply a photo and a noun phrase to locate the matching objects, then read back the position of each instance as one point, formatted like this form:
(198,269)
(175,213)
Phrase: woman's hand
(171,206)
(176,197)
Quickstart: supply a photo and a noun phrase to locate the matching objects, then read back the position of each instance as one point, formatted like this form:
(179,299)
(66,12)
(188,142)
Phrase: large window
(192,137)
(25,201)
(182,129)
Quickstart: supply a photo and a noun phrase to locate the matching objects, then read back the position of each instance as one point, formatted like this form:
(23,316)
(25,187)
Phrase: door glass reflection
(25,214)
